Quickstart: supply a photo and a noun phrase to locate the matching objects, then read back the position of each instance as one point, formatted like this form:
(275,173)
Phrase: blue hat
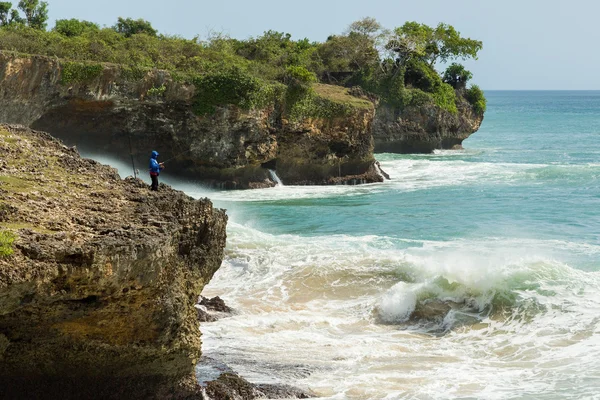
(154,153)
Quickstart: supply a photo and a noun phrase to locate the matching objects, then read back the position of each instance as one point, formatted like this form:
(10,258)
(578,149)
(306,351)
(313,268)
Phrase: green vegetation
(129,27)
(75,72)
(233,86)
(15,184)
(457,76)
(475,96)
(321,101)
(6,242)
(397,66)
(74,27)
(36,14)
(157,91)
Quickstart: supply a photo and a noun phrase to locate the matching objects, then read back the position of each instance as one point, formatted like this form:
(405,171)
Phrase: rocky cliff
(423,129)
(97,298)
(119,111)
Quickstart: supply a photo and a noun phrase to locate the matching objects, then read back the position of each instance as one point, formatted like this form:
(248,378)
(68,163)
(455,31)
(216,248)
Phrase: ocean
(506,232)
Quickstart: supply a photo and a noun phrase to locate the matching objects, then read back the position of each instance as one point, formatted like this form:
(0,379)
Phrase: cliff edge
(98,277)
(424,128)
(115,110)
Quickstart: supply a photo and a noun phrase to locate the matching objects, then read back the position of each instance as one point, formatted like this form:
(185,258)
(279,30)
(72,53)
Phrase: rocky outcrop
(211,310)
(219,381)
(113,110)
(97,299)
(423,129)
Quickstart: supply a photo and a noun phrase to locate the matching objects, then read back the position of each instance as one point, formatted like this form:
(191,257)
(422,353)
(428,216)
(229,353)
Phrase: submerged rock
(97,299)
(431,310)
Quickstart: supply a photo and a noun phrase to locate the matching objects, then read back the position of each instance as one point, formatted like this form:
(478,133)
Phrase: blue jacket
(154,167)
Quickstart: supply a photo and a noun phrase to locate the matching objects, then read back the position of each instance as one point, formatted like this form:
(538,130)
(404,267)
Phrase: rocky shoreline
(117,114)
(97,298)
(232,148)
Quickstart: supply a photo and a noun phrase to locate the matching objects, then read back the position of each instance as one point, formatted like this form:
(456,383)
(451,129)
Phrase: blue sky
(528,44)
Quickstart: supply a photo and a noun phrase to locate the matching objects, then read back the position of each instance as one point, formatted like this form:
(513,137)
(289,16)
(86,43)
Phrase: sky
(527,44)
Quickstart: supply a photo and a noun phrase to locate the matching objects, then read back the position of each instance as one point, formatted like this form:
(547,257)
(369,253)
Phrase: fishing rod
(131,155)
(174,157)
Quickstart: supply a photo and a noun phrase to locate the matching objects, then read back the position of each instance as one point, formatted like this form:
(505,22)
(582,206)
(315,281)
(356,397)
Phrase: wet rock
(221,382)
(210,310)
(430,310)
(231,386)
(215,304)
(284,392)
(434,310)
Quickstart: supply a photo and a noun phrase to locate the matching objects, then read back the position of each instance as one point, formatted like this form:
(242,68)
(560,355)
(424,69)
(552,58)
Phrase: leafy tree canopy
(457,76)
(74,27)
(442,43)
(36,13)
(129,27)
(9,16)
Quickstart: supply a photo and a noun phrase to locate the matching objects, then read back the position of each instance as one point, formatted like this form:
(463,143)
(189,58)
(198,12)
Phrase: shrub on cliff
(421,76)
(6,241)
(73,72)
(457,76)
(232,86)
(296,75)
(475,96)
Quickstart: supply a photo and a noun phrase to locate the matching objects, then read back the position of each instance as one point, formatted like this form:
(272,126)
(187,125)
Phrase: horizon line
(541,90)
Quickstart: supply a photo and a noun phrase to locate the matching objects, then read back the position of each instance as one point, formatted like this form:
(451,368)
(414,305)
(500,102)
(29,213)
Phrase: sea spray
(275,178)
(505,233)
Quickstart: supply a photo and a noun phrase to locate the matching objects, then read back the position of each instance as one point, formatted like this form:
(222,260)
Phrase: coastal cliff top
(54,203)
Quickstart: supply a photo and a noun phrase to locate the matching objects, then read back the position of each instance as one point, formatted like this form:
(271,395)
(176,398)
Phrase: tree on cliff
(457,76)
(36,13)
(74,27)
(355,50)
(129,27)
(8,16)
(443,43)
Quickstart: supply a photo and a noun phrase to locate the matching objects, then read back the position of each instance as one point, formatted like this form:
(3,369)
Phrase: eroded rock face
(97,300)
(114,114)
(423,129)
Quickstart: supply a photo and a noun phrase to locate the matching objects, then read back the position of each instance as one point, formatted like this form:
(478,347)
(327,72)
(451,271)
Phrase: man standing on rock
(155,168)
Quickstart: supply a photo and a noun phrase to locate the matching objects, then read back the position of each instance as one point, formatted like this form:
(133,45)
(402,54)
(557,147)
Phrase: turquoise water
(532,171)
(507,231)
(325,278)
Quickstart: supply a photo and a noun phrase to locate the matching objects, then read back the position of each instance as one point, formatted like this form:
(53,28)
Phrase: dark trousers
(154,182)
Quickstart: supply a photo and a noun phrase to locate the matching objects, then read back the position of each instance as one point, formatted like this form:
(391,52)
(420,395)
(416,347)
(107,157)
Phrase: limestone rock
(423,129)
(111,113)
(97,300)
